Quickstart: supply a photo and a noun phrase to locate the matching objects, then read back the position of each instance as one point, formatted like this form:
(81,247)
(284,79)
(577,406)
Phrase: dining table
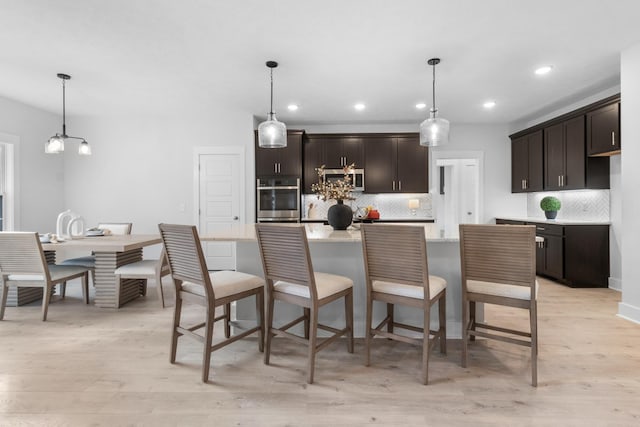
(110,252)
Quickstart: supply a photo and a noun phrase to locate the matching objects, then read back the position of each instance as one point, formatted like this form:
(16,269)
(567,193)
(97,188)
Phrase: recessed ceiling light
(421,106)
(292,107)
(359,107)
(489,104)
(544,70)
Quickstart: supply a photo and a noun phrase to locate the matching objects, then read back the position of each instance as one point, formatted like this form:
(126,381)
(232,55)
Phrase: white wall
(40,176)
(142,170)
(630,177)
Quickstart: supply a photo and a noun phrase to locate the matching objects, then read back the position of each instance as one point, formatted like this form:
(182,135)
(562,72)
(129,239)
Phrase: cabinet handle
(399,185)
(526,184)
(394,186)
(540,228)
(275,168)
(279,167)
(613,137)
(522,184)
(562,180)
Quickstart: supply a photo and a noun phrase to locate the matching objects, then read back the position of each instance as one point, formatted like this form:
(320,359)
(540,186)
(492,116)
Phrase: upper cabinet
(392,163)
(285,161)
(566,165)
(396,164)
(527,163)
(344,150)
(335,151)
(567,152)
(603,130)
(564,156)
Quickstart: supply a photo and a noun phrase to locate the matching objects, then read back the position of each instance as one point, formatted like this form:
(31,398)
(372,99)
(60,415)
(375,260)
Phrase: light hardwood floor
(91,366)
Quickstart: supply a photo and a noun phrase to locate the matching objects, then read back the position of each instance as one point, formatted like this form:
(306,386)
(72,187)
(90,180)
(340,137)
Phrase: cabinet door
(379,165)
(333,153)
(603,130)
(575,158)
(313,157)
(554,158)
(412,165)
(266,160)
(290,157)
(353,151)
(554,256)
(535,176)
(519,164)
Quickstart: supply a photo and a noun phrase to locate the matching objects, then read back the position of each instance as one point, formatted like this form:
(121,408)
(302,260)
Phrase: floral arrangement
(339,189)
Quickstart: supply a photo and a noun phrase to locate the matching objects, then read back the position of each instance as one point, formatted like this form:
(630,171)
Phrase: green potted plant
(550,205)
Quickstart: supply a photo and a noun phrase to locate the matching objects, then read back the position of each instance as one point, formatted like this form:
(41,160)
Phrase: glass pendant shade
(55,145)
(272,133)
(84,149)
(434,131)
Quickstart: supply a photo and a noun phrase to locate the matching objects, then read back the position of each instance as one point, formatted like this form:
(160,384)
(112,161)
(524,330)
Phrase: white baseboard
(629,312)
(615,284)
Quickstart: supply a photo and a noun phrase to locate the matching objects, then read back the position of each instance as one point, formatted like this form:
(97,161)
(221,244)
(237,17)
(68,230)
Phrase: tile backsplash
(579,205)
(395,206)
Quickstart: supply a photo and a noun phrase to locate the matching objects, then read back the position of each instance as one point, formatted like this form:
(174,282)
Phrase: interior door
(220,205)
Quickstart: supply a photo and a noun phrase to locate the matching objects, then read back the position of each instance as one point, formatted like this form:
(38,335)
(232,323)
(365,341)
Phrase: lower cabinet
(576,255)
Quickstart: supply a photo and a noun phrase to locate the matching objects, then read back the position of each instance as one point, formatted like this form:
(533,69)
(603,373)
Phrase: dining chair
(290,278)
(23,264)
(397,272)
(149,269)
(498,264)
(194,284)
(89,261)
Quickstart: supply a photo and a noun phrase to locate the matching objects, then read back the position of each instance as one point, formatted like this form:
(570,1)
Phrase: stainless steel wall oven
(278,199)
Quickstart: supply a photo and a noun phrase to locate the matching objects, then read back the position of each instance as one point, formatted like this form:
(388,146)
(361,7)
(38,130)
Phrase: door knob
(235,218)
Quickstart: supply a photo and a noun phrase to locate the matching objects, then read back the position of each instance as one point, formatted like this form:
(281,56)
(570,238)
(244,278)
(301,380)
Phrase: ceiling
(168,57)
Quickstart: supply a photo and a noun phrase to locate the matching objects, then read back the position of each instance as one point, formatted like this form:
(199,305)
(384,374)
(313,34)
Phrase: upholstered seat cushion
(83,261)
(501,289)
(436,285)
(55,271)
(326,285)
(144,267)
(226,283)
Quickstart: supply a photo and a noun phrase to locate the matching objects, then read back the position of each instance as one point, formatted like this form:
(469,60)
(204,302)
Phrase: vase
(551,214)
(339,216)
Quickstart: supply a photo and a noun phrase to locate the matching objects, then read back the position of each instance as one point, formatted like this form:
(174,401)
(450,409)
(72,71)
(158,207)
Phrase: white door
(220,201)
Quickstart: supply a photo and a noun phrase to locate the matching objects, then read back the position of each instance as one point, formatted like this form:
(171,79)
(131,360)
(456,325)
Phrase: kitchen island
(340,252)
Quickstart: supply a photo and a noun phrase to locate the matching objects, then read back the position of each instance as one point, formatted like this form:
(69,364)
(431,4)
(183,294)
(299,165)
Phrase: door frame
(220,150)
(434,179)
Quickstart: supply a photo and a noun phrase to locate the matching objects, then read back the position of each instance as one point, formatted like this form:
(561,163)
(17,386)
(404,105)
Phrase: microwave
(357,177)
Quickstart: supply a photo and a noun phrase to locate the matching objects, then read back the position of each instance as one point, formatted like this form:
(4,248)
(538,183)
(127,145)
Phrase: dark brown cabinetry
(285,161)
(603,130)
(335,151)
(396,164)
(550,251)
(576,255)
(393,163)
(564,155)
(527,163)
(344,151)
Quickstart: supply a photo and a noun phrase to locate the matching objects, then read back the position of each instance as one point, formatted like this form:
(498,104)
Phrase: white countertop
(555,221)
(317,232)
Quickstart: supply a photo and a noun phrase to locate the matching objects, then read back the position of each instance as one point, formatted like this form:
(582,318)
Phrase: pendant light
(434,131)
(272,133)
(55,144)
